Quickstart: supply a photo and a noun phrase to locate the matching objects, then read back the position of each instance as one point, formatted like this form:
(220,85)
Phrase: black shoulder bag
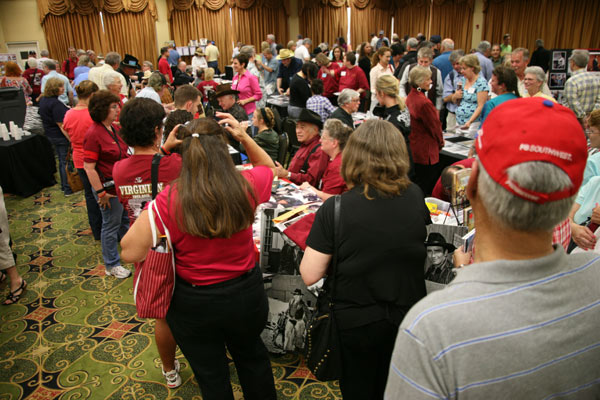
(154,174)
(323,355)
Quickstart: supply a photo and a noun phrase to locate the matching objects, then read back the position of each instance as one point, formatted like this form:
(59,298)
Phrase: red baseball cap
(532,129)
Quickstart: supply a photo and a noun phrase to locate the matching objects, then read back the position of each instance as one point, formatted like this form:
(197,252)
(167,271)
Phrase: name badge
(324,75)
(234,82)
(471,90)
(343,73)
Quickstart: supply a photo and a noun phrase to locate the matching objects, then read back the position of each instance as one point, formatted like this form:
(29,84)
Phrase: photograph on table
(440,244)
(559,60)
(289,314)
(557,80)
(278,254)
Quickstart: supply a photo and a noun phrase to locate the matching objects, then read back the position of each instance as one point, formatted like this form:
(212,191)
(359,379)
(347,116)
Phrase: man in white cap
(523,321)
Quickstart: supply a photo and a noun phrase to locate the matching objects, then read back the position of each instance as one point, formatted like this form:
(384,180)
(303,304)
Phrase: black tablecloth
(27,165)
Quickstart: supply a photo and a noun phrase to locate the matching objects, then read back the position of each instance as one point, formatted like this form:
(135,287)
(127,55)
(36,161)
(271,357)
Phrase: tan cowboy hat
(284,54)
(199,52)
(147,74)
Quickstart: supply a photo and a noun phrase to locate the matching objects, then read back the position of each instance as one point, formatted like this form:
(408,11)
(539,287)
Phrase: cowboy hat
(437,239)
(224,90)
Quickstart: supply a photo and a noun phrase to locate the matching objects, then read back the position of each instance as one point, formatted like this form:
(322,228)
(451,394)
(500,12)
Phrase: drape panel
(251,26)
(82,31)
(561,24)
(197,23)
(411,19)
(323,23)
(453,19)
(367,20)
(139,39)
(87,7)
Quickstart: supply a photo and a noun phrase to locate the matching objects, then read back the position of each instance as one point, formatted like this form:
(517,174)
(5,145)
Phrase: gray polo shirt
(527,329)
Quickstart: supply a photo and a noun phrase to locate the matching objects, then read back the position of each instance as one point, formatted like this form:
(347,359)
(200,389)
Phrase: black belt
(218,284)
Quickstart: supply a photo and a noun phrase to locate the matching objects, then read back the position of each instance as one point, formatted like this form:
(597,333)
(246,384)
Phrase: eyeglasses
(114,106)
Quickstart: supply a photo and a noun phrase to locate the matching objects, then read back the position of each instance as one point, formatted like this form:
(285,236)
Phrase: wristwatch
(289,175)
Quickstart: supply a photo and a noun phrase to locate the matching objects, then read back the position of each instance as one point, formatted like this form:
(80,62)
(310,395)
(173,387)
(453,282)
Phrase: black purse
(323,354)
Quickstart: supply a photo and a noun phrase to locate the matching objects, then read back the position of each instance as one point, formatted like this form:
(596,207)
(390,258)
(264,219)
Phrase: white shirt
(199,62)
(149,93)
(374,41)
(439,89)
(302,53)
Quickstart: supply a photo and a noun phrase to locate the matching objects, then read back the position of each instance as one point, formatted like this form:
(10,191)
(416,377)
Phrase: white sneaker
(118,272)
(172,377)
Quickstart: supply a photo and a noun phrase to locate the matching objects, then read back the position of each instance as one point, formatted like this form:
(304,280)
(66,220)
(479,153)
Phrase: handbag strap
(154,174)
(336,243)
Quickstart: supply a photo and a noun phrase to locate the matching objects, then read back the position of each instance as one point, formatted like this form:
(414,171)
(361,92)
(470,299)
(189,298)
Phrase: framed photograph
(441,242)
(559,60)
(203,42)
(557,80)
(594,63)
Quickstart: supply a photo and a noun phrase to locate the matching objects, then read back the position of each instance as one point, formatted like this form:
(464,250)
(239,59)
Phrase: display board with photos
(559,69)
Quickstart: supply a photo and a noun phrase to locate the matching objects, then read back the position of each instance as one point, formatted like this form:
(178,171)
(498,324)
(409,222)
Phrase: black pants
(426,176)
(205,319)
(93,209)
(366,355)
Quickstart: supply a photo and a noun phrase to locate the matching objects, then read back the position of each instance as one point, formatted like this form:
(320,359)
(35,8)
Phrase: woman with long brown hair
(379,275)
(219,299)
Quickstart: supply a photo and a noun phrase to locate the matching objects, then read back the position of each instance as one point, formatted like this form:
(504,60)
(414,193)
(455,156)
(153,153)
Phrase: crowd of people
(115,115)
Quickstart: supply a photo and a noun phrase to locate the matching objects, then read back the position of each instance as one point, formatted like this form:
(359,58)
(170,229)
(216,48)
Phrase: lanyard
(112,132)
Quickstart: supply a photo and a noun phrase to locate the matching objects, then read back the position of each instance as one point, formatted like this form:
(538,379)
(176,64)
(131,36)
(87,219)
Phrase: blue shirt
(271,77)
(587,198)
(495,102)
(64,98)
(468,104)
(173,58)
(450,82)
(286,73)
(442,62)
(487,66)
(592,168)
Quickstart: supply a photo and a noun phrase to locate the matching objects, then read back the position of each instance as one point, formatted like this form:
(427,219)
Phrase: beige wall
(293,23)
(20,22)
(162,24)
(477,24)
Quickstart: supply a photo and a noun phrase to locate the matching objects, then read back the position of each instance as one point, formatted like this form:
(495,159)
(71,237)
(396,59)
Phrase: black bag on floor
(323,352)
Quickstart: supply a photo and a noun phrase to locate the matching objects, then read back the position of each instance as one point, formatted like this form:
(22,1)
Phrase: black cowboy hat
(311,117)
(131,62)
(437,239)
(224,90)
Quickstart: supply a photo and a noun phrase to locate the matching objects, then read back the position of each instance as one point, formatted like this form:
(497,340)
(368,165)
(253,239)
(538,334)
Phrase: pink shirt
(76,123)
(202,261)
(247,85)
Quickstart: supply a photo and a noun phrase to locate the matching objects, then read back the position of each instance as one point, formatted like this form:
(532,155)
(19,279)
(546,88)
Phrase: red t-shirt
(353,78)
(76,123)
(332,182)
(165,69)
(205,86)
(202,261)
(99,147)
(330,84)
(133,180)
(69,66)
(438,191)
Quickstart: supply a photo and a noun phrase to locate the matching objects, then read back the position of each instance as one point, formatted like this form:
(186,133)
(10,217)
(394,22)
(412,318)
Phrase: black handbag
(323,353)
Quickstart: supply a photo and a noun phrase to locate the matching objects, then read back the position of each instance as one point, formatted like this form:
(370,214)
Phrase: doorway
(22,49)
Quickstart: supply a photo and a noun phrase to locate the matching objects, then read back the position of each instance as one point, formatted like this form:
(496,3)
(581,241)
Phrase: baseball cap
(532,129)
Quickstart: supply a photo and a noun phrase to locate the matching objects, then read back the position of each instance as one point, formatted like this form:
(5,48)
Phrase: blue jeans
(93,209)
(115,224)
(62,149)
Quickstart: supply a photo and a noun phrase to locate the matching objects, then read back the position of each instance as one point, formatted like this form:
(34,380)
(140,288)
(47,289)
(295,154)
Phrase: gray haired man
(523,321)
(582,90)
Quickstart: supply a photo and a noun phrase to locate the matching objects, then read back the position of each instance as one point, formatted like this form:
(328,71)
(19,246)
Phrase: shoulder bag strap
(169,242)
(336,243)
(154,174)
(304,168)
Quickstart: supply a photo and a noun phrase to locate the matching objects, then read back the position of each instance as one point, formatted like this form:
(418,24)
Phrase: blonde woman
(395,111)
(380,65)
(473,95)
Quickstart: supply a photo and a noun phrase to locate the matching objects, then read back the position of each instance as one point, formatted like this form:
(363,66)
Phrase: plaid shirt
(321,105)
(582,92)
(562,234)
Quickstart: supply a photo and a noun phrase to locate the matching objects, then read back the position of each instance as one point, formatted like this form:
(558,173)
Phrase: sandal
(13,297)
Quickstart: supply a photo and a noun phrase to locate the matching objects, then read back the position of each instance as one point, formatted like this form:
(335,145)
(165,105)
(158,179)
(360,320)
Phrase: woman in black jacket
(300,88)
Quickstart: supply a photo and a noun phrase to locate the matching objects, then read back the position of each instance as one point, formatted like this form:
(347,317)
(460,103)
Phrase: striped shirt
(582,92)
(524,329)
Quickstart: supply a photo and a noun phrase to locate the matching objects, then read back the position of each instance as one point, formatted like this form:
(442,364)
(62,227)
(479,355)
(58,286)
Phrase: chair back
(278,122)
(289,127)
(283,148)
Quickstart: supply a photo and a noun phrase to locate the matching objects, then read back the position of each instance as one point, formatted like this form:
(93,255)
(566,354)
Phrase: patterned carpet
(75,334)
